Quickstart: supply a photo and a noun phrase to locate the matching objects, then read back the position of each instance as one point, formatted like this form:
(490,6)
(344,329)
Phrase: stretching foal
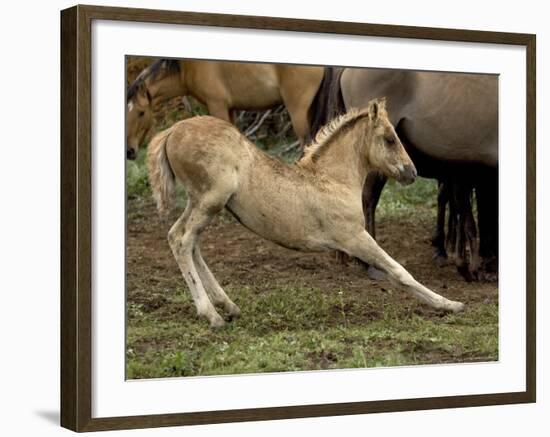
(312,205)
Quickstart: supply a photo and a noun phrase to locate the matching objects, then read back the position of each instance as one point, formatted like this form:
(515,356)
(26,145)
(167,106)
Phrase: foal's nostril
(130,154)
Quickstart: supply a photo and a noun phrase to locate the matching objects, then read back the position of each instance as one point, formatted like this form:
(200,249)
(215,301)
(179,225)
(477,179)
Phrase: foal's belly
(287,224)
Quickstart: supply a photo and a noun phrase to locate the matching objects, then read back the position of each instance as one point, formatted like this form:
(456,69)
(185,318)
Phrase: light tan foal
(311,206)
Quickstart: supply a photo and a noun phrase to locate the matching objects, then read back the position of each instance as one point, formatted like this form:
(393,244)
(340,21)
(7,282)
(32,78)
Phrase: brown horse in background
(448,123)
(223,87)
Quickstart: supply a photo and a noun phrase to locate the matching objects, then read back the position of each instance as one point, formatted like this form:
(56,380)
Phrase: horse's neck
(165,89)
(344,159)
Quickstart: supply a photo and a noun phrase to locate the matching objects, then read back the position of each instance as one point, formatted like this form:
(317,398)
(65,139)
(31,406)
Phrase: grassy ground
(284,331)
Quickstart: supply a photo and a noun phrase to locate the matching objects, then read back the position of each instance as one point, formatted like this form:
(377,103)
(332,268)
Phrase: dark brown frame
(76,249)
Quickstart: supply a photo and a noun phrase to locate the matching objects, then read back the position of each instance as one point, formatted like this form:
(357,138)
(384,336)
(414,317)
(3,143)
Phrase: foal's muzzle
(130,153)
(407,175)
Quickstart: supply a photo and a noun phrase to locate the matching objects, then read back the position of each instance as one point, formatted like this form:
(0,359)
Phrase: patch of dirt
(237,257)
(323,359)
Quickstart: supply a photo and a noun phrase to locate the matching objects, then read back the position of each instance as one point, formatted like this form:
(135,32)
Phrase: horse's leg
(219,109)
(297,100)
(364,247)
(299,117)
(213,288)
(461,196)
(438,238)
(487,216)
(372,190)
(471,235)
(452,221)
(183,237)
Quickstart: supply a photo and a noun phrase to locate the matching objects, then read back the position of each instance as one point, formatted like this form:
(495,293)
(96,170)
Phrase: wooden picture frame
(76,218)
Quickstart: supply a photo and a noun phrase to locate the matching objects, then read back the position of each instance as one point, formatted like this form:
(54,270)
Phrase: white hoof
(217,322)
(455,307)
(233,310)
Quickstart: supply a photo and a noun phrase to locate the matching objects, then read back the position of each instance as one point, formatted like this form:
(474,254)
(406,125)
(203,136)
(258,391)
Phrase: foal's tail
(161,176)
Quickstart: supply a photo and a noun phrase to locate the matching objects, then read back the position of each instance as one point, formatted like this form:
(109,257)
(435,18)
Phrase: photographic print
(344,223)
(285,218)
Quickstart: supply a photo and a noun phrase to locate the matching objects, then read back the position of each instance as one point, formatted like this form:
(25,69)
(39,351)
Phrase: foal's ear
(375,106)
(374,109)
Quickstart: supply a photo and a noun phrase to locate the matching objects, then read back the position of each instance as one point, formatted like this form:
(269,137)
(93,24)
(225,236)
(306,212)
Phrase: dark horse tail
(328,102)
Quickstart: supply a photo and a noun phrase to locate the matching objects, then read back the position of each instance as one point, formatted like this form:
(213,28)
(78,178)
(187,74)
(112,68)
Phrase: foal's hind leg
(183,237)
(216,292)
(365,248)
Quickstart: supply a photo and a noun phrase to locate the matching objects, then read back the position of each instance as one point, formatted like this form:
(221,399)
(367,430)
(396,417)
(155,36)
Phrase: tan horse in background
(312,205)
(222,87)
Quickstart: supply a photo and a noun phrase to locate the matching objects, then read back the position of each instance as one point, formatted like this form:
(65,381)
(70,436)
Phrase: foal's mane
(168,65)
(332,130)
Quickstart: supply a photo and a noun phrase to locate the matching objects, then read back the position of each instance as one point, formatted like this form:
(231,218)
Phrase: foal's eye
(141,113)
(390,141)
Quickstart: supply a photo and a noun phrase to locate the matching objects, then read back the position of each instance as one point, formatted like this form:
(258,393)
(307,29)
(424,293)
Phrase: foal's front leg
(365,248)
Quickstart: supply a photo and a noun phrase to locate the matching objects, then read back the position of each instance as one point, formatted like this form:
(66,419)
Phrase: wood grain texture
(300,25)
(76,217)
(531,249)
(84,216)
(69,345)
